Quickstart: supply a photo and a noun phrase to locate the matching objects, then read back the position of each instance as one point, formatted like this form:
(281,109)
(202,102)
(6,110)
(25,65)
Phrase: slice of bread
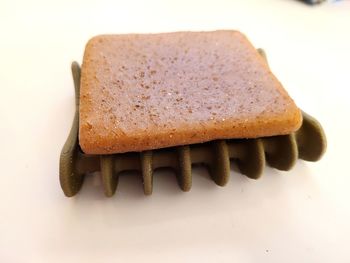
(148,91)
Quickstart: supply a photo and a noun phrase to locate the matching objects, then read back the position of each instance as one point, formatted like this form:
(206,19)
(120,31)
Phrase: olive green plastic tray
(280,152)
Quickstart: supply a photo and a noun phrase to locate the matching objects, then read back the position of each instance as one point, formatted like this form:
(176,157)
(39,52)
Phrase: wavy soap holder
(281,152)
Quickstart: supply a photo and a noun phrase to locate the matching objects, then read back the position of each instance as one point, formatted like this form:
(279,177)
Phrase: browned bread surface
(149,91)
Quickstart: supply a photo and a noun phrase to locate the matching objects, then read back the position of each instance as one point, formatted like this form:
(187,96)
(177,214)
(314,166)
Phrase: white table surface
(298,216)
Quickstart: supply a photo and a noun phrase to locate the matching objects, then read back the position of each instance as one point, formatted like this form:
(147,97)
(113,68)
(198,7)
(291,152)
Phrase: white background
(298,216)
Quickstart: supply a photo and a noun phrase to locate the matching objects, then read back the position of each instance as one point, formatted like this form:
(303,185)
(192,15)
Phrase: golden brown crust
(141,92)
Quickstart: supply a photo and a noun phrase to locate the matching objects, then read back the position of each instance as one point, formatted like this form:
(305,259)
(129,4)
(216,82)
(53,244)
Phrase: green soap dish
(281,152)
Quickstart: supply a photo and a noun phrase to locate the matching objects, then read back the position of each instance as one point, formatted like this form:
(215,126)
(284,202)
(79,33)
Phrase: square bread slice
(148,91)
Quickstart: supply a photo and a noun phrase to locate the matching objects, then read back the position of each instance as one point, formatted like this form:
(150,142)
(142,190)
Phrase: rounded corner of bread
(242,36)
(84,141)
(295,119)
(84,146)
(298,119)
(93,40)
(238,33)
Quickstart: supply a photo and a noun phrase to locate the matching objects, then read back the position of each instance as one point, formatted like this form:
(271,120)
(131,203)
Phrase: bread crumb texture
(148,91)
